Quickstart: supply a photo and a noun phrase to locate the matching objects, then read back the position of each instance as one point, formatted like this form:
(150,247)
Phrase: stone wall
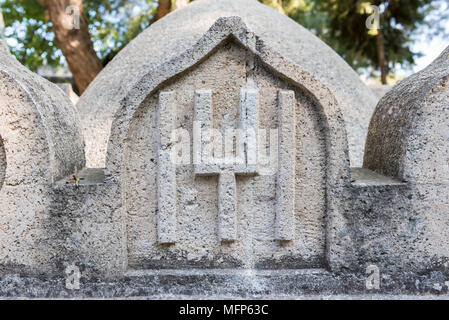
(225,73)
(219,63)
(281,212)
(2,163)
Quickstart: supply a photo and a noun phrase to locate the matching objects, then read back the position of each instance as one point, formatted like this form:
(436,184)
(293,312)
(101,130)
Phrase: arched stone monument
(40,143)
(408,140)
(181,29)
(227,171)
(216,215)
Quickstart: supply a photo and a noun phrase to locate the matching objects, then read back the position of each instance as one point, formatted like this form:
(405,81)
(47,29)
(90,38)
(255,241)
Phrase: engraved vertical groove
(285,193)
(166,173)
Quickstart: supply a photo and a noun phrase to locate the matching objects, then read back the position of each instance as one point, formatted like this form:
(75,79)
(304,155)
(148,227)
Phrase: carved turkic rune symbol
(243,162)
(240,158)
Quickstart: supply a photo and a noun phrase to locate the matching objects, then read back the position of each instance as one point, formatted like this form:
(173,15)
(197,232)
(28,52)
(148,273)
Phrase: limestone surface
(380,90)
(226,212)
(2,163)
(408,136)
(408,140)
(181,29)
(40,142)
(227,174)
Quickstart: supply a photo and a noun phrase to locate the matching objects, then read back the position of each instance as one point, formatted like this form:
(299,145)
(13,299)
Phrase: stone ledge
(297,284)
(89,176)
(225,272)
(362,177)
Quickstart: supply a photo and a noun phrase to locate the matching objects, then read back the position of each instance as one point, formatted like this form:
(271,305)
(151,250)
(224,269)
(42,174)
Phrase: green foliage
(302,11)
(112,24)
(31,37)
(340,23)
(400,20)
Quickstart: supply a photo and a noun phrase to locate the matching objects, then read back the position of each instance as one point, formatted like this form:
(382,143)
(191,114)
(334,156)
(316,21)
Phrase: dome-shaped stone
(40,143)
(408,136)
(181,29)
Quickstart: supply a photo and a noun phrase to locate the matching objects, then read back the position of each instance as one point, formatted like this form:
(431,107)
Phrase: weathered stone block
(408,141)
(234,213)
(2,163)
(40,142)
(227,172)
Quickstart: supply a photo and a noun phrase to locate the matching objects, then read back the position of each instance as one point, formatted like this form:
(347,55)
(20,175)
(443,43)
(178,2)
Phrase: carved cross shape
(243,163)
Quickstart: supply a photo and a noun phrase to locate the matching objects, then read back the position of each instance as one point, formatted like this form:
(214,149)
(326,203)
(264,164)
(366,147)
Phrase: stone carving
(227,173)
(166,174)
(230,209)
(183,28)
(210,160)
(241,162)
(285,193)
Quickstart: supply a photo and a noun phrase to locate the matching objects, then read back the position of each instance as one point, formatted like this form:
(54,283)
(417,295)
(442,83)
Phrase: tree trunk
(381,56)
(72,37)
(163,8)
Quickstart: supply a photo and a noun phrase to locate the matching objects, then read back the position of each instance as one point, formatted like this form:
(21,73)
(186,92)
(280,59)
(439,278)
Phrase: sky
(431,48)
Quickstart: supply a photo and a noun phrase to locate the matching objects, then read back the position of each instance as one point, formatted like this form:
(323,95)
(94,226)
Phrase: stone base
(230,284)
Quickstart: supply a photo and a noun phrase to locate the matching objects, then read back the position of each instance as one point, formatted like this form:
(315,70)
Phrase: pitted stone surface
(217,155)
(285,193)
(380,90)
(213,82)
(53,114)
(147,226)
(181,29)
(2,163)
(166,174)
(408,140)
(408,135)
(40,142)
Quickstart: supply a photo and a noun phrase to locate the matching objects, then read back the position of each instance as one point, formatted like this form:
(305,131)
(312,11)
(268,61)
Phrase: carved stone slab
(229,155)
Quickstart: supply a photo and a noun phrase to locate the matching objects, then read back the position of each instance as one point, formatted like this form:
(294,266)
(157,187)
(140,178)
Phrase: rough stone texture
(87,226)
(166,173)
(399,228)
(41,142)
(220,157)
(285,193)
(408,132)
(219,62)
(146,227)
(408,140)
(68,89)
(181,29)
(233,284)
(2,163)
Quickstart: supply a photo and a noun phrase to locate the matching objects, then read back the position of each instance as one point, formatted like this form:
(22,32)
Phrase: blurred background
(409,33)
